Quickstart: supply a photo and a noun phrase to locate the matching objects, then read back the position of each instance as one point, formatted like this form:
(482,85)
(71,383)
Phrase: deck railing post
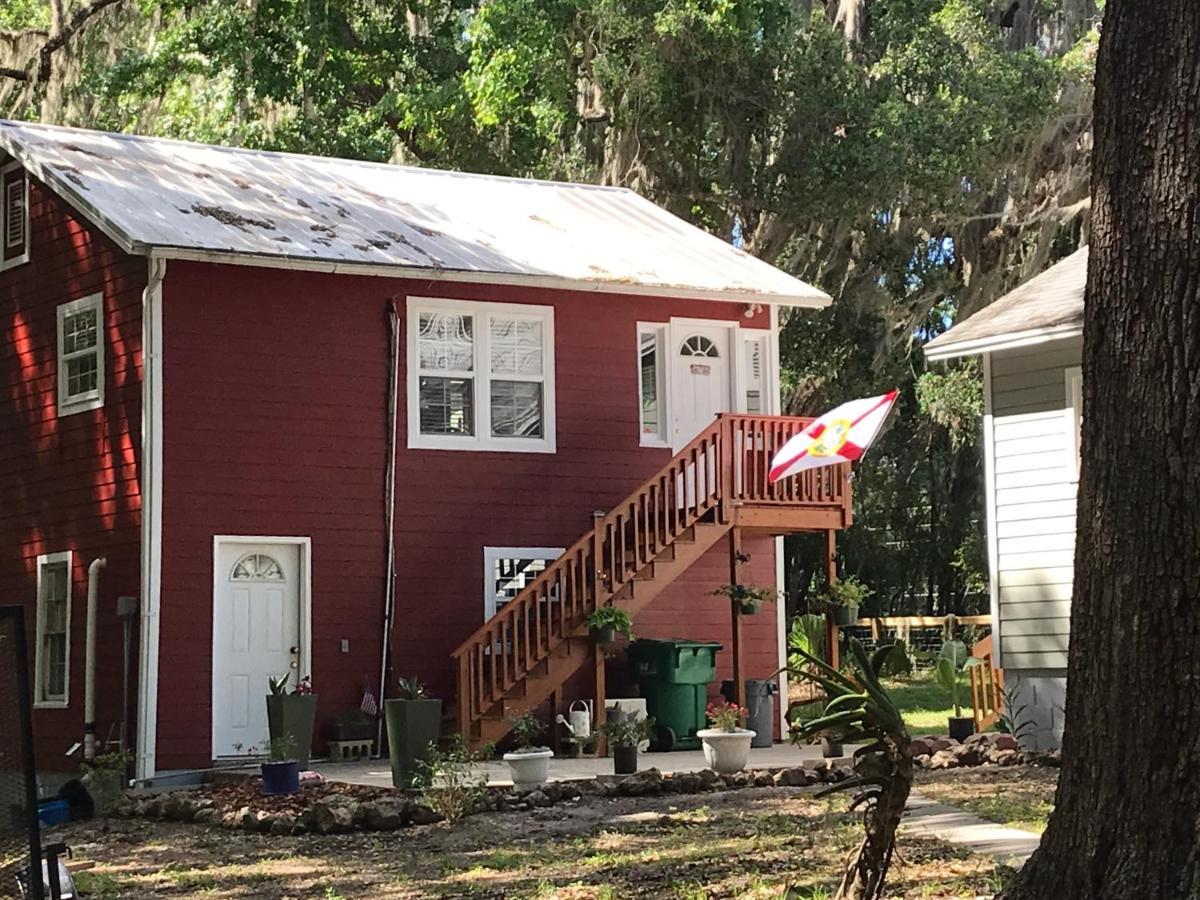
(465,686)
(725,438)
(597,560)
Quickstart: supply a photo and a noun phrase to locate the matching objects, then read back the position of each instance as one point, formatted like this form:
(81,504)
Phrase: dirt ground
(770,842)
(1017,796)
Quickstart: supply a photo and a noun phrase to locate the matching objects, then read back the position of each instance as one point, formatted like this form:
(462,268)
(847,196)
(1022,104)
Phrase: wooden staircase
(718,483)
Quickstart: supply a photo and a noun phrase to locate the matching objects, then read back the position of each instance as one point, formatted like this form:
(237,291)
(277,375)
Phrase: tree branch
(16,74)
(60,38)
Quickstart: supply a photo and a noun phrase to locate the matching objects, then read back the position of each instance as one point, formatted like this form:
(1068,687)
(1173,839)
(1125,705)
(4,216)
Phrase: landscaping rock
(423,815)
(922,761)
(538,799)
(1004,757)
(793,777)
(710,780)
(920,747)
(938,744)
(737,780)
(207,816)
(764,779)
(385,814)
(686,782)
(330,816)
(258,820)
(979,737)
(283,825)
(1005,742)
(943,759)
(641,784)
(969,754)
(569,790)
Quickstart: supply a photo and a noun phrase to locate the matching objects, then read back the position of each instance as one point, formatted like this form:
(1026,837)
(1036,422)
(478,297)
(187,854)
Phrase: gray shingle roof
(173,198)
(1046,304)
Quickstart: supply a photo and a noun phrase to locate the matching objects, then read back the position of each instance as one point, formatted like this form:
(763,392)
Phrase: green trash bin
(673,675)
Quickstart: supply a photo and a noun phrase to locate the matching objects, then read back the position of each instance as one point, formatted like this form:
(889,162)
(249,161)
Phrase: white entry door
(256,635)
(700,379)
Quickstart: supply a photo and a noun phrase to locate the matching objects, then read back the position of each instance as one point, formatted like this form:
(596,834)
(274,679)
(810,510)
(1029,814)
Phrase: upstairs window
(14,216)
(52,652)
(481,376)
(81,355)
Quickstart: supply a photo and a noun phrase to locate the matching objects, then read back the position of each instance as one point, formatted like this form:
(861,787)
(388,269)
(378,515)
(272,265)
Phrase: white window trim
(482,439)
(1073,385)
(44,560)
(491,554)
(659,330)
(24,257)
(93,399)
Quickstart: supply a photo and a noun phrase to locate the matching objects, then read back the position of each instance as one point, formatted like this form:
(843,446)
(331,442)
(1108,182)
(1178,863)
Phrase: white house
(1030,342)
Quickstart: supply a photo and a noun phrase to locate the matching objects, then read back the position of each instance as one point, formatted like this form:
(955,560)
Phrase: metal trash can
(673,676)
(760,708)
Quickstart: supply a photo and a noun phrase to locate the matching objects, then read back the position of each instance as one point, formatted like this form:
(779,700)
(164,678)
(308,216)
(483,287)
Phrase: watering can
(578,720)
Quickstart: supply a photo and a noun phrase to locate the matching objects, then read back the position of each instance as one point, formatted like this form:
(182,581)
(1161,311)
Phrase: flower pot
(748,609)
(604,635)
(961,727)
(413,727)
(530,768)
(625,759)
(281,777)
(843,616)
(831,749)
(726,752)
(290,717)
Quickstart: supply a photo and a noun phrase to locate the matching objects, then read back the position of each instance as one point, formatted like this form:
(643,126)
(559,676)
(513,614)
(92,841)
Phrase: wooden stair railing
(724,467)
(987,686)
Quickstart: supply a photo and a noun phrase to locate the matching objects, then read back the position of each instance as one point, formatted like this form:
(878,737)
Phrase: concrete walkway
(1009,846)
(375,772)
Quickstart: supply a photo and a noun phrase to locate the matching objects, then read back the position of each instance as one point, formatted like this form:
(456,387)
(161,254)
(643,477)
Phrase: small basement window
(509,570)
(52,653)
(81,355)
(480,376)
(14,216)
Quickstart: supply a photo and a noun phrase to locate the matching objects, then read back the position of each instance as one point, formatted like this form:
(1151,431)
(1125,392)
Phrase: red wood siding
(275,390)
(71,483)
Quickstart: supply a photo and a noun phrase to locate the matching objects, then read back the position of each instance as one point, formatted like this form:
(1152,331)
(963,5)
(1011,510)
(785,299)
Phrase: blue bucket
(280,777)
(53,812)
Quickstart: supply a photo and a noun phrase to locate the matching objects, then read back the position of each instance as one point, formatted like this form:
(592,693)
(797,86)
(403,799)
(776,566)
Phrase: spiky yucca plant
(859,711)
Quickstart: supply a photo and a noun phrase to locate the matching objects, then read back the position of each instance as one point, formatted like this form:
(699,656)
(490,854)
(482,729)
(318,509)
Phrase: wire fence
(19,837)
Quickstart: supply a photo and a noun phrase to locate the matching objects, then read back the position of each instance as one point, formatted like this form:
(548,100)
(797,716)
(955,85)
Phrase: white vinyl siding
(480,376)
(1034,497)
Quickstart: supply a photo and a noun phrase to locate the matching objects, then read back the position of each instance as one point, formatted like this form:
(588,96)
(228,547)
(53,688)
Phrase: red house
(276,412)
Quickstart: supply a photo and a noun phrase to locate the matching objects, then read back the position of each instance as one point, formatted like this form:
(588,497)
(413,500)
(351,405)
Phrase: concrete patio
(376,773)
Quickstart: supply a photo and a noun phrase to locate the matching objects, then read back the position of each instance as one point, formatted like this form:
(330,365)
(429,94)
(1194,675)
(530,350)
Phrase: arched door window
(257,567)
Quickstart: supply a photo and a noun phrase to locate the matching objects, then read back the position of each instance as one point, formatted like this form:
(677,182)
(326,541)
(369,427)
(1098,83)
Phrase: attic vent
(14,214)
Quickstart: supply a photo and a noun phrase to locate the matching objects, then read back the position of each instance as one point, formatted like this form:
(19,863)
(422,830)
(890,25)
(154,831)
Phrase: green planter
(412,726)
(843,616)
(292,716)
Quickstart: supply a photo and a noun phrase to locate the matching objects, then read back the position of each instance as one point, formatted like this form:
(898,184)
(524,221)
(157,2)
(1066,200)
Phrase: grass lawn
(1017,796)
(925,706)
(749,843)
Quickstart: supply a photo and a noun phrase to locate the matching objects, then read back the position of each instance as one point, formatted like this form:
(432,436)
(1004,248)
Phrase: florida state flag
(840,435)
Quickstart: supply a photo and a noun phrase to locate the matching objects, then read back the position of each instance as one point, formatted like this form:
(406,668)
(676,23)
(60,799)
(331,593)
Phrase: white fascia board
(430,274)
(989,498)
(1011,341)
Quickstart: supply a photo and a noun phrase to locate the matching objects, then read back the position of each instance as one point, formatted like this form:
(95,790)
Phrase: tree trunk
(1125,822)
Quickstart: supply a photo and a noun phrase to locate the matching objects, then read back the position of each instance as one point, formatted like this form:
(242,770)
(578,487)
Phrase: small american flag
(369,705)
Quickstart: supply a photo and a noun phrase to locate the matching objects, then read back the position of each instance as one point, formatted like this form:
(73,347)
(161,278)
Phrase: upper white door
(256,636)
(701,384)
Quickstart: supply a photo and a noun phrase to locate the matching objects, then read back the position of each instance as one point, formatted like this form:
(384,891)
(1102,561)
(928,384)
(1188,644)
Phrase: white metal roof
(1048,306)
(178,199)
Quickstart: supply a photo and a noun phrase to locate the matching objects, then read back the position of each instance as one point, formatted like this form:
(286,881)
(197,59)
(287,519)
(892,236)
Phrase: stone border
(338,814)
(978,750)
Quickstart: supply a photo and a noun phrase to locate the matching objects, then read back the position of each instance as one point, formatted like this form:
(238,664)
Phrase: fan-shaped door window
(699,346)
(257,567)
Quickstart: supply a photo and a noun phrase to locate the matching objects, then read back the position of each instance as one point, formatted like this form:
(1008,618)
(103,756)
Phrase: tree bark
(1126,821)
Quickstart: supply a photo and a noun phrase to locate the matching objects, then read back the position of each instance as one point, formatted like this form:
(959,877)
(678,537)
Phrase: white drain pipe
(89,666)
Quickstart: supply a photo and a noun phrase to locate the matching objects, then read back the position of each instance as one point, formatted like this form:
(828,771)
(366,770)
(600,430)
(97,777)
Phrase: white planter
(529,769)
(726,752)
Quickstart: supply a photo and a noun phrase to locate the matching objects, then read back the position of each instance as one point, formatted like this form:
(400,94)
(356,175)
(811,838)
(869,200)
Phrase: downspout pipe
(89,666)
(389,511)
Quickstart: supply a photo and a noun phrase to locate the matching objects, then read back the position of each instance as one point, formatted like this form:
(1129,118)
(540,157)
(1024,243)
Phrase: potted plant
(844,597)
(291,715)
(606,622)
(414,724)
(727,742)
(952,659)
(624,734)
(105,777)
(529,763)
(748,598)
(831,747)
(281,771)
